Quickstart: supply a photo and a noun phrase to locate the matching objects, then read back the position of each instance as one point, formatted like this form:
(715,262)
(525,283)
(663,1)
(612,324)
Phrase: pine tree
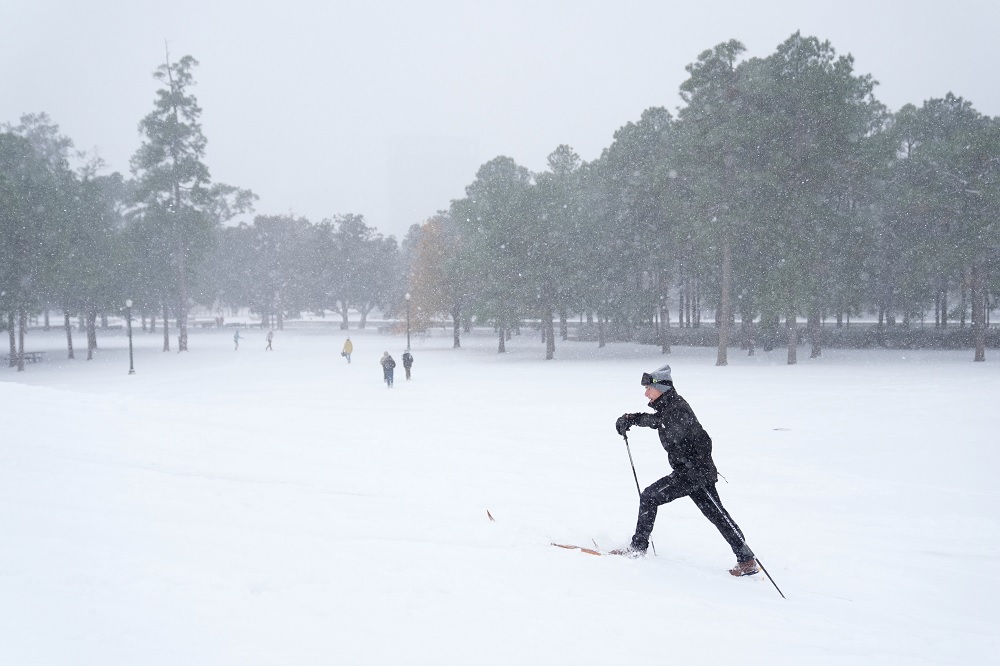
(174,191)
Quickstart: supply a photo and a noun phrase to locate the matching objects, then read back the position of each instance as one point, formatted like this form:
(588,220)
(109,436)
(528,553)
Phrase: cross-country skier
(689,451)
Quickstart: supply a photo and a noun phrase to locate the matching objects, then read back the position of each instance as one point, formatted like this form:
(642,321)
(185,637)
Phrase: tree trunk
(697,303)
(746,323)
(166,329)
(563,324)
(663,284)
(978,312)
(962,301)
(12,335)
(91,334)
(182,288)
(770,325)
(22,324)
(944,303)
(664,327)
(683,314)
(601,335)
(792,338)
(684,303)
(815,334)
(92,329)
(724,303)
(456,317)
(500,347)
(69,335)
(550,335)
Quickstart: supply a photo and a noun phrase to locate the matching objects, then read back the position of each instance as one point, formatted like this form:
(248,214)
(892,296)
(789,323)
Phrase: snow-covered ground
(252,507)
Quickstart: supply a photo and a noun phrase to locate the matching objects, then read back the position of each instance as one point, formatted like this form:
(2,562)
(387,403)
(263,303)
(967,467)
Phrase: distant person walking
(347,350)
(270,337)
(236,339)
(388,364)
(407,362)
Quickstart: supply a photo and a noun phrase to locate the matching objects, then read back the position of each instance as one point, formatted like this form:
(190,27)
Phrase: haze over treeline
(782,189)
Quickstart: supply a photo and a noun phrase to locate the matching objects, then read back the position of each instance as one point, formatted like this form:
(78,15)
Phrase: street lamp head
(407,296)
(128,302)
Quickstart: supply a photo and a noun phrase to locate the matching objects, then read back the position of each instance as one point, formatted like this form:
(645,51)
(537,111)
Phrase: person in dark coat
(407,362)
(388,364)
(689,451)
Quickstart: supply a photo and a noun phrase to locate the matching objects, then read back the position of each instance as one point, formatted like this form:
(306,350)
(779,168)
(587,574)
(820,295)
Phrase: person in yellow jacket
(348,348)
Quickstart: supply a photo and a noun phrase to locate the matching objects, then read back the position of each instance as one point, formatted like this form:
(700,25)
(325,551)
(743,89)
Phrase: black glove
(624,422)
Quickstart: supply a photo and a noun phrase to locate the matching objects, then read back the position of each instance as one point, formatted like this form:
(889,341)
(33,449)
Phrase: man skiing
(689,451)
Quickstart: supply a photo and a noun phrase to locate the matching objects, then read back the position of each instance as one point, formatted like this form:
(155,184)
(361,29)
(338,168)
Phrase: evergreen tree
(36,192)
(714,160)
(493,219)
(175,195)
(810,113)
(556,214)
(632,236)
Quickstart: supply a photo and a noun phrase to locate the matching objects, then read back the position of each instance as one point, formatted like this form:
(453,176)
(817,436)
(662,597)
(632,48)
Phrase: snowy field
(284,507)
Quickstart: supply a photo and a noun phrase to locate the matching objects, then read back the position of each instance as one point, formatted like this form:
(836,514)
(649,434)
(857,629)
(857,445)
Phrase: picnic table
(29,357)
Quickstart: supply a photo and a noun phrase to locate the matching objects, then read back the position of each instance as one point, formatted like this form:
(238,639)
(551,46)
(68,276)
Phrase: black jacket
(688,446)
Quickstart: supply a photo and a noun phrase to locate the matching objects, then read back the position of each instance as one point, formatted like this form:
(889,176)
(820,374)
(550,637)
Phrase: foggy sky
(387,109)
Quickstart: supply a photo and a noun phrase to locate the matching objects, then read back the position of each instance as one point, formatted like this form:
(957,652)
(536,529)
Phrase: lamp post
(407,321)
(128,326)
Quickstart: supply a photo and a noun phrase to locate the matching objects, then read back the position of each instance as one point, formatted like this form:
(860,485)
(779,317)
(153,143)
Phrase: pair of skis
(595,551)
(582,549)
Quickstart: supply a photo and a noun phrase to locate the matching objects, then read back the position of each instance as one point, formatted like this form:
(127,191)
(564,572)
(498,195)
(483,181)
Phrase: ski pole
(636,477)
(744,540)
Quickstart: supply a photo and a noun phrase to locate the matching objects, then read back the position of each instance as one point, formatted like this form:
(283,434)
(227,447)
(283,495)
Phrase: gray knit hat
(659,379)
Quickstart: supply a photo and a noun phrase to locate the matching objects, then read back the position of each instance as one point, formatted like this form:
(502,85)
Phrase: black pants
(704,496)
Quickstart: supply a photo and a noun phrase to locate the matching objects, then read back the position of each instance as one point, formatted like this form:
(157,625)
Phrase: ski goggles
(649,380)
